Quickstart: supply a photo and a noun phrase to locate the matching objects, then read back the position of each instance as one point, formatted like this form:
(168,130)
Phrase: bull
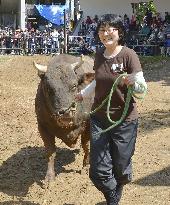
(58,114)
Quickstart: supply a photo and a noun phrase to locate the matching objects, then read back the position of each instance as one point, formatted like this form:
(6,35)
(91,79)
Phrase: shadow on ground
(68,204)
(161,178)
(29,165)
(101,203)
(18,203)
(157,71)
(154,120)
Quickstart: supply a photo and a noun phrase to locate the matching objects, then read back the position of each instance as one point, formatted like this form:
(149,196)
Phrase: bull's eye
(73,88)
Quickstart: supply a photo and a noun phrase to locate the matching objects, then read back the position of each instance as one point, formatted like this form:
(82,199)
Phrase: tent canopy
(53,13)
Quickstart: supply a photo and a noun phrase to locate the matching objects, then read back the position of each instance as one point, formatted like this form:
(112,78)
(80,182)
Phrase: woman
(111,151)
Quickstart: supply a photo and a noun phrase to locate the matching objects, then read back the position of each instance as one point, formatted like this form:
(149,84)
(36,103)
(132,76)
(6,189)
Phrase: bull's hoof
(85,170)
(50,182)
(50,177)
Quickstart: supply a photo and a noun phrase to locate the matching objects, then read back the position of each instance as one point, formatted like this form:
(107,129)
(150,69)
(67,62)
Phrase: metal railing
(20,46)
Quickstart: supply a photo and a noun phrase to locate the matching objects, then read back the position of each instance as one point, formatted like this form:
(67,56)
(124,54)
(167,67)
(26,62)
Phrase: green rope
(130,93)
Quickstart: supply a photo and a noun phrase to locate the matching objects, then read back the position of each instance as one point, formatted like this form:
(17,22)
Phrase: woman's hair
(114,21)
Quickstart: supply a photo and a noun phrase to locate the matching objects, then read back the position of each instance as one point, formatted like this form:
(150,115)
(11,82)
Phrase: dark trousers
(110,157)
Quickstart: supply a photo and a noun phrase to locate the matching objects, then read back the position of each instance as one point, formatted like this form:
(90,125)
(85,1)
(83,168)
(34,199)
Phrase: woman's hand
(130,79)
(79,97)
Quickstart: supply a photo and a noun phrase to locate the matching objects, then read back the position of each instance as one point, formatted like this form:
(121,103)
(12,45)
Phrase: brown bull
(58,114)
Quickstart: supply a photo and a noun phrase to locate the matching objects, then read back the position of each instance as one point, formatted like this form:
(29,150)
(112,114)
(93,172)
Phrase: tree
(142,8)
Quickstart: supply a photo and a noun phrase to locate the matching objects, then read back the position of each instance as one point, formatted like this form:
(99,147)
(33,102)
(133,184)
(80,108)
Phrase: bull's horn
(42,68)
(78,64)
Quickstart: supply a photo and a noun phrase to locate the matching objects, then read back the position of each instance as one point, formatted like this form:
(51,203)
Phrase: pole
(75,12)
(22,14)
(65,33)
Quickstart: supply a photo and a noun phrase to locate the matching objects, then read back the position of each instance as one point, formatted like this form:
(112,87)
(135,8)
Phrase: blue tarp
(53,13)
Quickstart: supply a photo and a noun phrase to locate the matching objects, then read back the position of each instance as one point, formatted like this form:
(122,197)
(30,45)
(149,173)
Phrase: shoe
(119,191)
(111,198)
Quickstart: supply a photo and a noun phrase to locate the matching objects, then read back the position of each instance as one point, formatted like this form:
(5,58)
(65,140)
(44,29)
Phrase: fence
(35,45)
(81,44)
(146,49)
(76,45)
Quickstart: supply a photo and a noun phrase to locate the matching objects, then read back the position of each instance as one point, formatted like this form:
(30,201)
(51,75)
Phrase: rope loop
(130,93)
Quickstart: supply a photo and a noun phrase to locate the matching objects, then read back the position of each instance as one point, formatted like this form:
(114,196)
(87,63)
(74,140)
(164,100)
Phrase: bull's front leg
(85,145)
(49,143)
(50,175)
(85,142)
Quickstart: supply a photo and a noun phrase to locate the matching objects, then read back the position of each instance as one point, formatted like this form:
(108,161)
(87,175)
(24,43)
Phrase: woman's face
(108,35)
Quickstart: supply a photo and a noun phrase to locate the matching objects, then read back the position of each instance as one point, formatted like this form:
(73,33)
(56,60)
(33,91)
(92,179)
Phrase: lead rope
(130,93)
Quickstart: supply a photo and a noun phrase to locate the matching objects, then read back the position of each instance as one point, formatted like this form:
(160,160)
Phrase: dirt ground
(22,156)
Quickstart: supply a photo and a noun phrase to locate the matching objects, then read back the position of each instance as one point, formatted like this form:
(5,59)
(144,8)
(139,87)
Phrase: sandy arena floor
(22,162)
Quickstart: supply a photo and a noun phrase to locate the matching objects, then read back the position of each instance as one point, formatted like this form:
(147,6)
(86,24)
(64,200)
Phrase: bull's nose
(61,112)
(72,108)
(73,105)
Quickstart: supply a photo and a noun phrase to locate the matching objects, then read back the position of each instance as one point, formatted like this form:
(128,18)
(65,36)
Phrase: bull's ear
(86,78)
(42,69)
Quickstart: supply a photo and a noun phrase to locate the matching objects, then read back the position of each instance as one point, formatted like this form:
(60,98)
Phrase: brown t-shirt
(106,72)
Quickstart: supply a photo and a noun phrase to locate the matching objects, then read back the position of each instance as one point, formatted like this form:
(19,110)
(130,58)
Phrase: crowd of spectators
(85,42)
(30,41)
(151,37)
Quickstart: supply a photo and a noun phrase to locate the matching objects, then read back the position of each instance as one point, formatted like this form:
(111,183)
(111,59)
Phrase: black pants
(110,157)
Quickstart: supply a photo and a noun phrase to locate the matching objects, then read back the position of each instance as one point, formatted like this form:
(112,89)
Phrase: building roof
(9,6)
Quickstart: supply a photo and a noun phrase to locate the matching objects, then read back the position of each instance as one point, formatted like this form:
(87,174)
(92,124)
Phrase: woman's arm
(87,92)
(140,85)
(137,80)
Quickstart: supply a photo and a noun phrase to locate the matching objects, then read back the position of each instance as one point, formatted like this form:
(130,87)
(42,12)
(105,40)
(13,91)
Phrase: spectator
(88,21)
(145,30)
(55,35)
(133,23)
(96,19)
(149,17)
(126,22)
(167,46)
(167,17)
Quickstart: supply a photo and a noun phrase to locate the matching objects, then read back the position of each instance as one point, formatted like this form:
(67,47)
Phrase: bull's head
(42,69)
(60,83)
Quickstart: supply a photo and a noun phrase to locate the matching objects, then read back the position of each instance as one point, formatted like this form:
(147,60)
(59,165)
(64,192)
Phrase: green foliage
(152,7)
(141,9)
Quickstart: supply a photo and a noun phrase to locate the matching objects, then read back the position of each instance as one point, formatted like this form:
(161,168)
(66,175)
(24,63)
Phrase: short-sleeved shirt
(106,72)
